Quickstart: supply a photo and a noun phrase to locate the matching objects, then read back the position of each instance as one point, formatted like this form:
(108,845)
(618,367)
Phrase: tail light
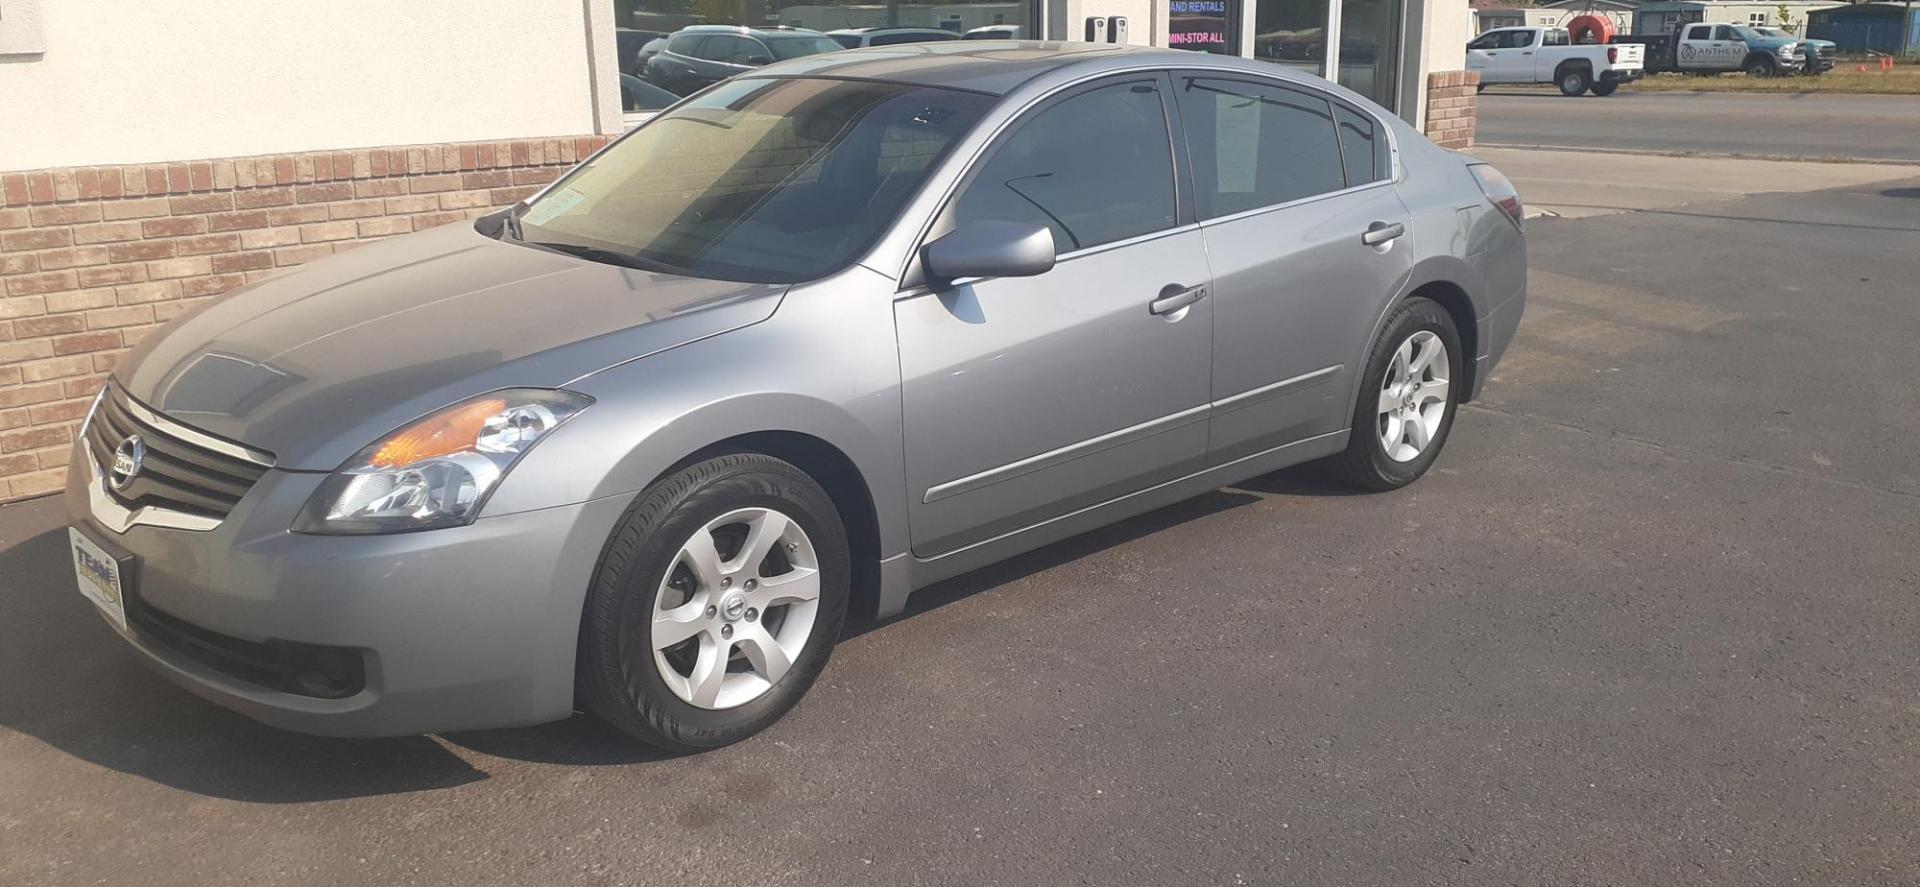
(1613,54)
(1501,191)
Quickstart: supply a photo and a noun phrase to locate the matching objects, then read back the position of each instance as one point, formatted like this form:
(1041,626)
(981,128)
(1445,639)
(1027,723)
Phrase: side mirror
(990,249)
(755,61)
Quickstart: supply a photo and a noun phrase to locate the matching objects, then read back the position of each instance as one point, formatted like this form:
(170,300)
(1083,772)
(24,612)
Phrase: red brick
(211,243)
(357,209)
(416,204)
(112,274)
(31,349)
(486,156)
(13,188)
(539,175)
(256,218)
(39,188)
(167,269)
(28,306)
(499,178)
(327,231)
(65,411)
(322,167)
(69,214)
(209,286)
(143,208)
(13,218)
(107,231)
(504,196)
(15,419)
(424,221)
(283,169)
(173,227)
(140,251)
(34,438)
(200,176)
(236,262)
(83,386)
(37,483)
(76,257)
(54,457)
(380,188)
(433,184)
(105,361)
(201,203)
(269,237)
(263,198)
(108,318)
(87,342)
(142,293)
(296,215)
(469,157)
(385,227)
(35,238)
(156,179)
(79,300)
(328,192)
(20,264)
(465,200)
(48,325)
(299,255)
(47,282)
(57,368)
(26,395)
(377,162)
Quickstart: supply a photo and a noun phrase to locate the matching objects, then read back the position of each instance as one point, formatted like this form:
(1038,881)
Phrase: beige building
(154,155)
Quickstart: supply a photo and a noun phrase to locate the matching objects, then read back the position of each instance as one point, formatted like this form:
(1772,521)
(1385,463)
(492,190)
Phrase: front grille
(303,669)
(175,473)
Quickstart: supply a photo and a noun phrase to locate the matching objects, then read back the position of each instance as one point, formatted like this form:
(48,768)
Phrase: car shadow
(77,688)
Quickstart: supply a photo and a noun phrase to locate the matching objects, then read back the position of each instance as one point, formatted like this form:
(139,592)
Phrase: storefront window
(644,26)
(1204,25)
(1292,33)
(1370,48)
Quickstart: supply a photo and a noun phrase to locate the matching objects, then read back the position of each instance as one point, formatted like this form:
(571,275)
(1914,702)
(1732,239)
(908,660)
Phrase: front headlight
(438,471)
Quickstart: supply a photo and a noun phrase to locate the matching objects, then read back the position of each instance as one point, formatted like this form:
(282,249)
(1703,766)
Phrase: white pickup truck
(1547,55)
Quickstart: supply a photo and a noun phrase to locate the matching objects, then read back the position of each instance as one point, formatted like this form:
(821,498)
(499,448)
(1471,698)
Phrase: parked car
(854,38)
(628,44)
(993,32)
(1547,55)
(1705,48)
(700,55)
(646,53)
(827,333)
(1820,55)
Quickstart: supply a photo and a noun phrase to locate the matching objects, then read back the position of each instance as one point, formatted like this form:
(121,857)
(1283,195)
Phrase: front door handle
(1174,297)
(1381,232)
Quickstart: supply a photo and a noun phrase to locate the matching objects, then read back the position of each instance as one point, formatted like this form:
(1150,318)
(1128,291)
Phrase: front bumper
(459,628)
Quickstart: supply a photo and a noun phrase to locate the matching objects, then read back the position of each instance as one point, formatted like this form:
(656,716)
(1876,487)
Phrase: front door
(1514,61)
(1026,398)
(1307,239)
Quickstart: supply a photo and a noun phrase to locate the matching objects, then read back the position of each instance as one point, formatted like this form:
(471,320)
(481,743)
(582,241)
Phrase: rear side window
(1700,32)
(1045,174)
(1255,145)
(687,44)
(1553,38)
(1361,151)
(850,41)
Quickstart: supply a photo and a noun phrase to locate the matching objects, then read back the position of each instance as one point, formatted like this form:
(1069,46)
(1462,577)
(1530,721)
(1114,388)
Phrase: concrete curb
(1648,152)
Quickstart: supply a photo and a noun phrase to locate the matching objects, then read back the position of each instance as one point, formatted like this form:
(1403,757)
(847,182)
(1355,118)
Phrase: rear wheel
(716,603)
(1604,88)
(1407,399)
(1573,81)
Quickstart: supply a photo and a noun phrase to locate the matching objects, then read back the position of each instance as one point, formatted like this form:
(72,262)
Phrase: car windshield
(759,180)
(796,46)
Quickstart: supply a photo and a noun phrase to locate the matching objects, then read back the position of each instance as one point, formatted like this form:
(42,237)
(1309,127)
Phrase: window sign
(1203,25)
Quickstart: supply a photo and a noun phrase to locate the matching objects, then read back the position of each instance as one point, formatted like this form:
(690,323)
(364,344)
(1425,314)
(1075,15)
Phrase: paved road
(1869,127)
(1653,620)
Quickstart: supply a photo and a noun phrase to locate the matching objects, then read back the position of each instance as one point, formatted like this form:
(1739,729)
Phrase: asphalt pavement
(1801,125)
(1653,619)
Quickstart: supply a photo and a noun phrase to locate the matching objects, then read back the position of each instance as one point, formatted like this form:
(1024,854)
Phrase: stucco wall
(158,80)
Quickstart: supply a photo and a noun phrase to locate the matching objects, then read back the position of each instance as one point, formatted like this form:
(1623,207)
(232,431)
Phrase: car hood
(315,364)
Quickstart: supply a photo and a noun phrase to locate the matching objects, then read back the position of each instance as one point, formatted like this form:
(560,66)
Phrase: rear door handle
(1174,297)
(1381,232)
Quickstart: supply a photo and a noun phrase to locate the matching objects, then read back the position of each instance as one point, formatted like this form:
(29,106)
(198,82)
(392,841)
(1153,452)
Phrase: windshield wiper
(607,256)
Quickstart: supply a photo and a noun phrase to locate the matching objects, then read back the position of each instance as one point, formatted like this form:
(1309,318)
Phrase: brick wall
(1453,105)
(92,259)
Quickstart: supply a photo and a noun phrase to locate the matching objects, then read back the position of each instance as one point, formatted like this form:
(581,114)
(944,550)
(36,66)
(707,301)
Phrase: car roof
(743,29)
(996,67)
(887,30)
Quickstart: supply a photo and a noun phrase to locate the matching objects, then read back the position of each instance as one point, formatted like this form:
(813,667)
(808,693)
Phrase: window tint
(1484,41)
(1255,145)
(686,44)
(1047,172)
(1724,33)
(723,48)
(773,181)
(1700,32)
(1361,150)
(892,39)
(796,45)
(850,41)
(1553,38)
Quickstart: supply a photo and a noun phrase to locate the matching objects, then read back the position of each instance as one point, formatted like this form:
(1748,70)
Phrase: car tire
(1366,462)
(1760,66)
(657,692)
(1604,88)
(1572,81)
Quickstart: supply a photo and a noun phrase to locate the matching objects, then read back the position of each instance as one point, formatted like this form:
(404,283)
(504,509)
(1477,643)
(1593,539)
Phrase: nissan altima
(818,336)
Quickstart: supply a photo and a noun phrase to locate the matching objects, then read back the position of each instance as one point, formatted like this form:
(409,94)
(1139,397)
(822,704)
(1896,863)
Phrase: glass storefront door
(1360,46)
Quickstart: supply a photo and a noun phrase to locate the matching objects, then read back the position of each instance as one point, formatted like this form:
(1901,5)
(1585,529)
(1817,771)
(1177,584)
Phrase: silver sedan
(814,338)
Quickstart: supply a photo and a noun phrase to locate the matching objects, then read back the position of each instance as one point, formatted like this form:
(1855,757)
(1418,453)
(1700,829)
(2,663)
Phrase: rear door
(1023,399)
(1291,184)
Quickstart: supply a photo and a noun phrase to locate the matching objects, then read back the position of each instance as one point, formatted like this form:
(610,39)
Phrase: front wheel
(1760,66)
(716,603)
(1407,399)
(1604,88)
(1573,81)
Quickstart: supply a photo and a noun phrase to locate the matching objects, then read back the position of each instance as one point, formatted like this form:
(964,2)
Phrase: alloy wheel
(1414,396)
(736,608)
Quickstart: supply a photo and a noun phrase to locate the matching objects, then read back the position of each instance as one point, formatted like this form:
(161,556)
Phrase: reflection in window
(1291,33)
(1255,145)
(1370,49)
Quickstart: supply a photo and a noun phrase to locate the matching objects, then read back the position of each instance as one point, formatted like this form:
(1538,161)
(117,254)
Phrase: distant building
(1666,16)
(1498,14)
(1887,28)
